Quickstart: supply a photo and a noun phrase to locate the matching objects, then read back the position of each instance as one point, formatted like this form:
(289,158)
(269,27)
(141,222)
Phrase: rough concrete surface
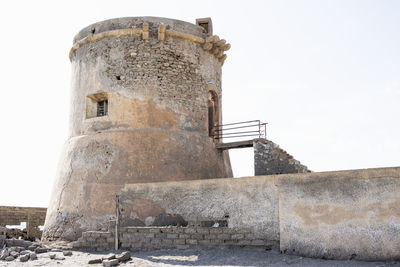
(341,215)
(219,257)
(247,204)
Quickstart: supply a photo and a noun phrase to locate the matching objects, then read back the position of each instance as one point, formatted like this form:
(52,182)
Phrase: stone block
(124,256)
(228,230)
(161,235)
(197,236)
(15,254)
(203,230)
(182,246)
(95,261)
(190,230)
(216,230)
(33,256)
(167,241)
(184,236)
(224,236)
(257,242)
(179,241)
(67,253)
(244,242)
(191,241)
(24,258)
(109,263)
(237,236)
(172,236)
(9,258)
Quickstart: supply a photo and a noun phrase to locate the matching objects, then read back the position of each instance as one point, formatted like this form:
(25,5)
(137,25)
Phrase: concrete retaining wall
(337,215)
(246,204)
(341,215)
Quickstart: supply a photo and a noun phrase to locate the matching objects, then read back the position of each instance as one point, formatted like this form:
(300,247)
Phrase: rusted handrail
(254,128)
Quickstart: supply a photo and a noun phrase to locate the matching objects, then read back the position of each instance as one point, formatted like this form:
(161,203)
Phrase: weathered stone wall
(341,215)
(338,215)
(246,204)
(34,217)
(150,238)
(269,159)
(156,128)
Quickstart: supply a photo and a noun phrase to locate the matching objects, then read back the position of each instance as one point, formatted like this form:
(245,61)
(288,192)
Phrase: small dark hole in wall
(227,216)
(93,30)
(118,77)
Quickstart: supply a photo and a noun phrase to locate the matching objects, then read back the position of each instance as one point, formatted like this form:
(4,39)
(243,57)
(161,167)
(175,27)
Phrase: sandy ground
(222,257)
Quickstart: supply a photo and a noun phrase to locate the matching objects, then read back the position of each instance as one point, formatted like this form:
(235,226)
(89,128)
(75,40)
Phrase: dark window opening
(204,26)
(210,119)
(118,77)
(213,114)
(102,108)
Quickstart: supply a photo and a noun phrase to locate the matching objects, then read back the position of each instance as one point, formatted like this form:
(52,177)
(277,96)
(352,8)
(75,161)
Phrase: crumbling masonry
(142,168)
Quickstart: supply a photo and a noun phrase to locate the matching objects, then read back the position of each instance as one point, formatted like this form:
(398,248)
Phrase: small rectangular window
(97,105)
(102,108)
(206,24)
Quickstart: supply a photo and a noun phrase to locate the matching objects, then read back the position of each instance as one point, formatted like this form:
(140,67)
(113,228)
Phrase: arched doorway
(213,114)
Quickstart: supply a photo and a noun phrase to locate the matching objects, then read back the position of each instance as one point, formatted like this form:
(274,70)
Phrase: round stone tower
(146,95)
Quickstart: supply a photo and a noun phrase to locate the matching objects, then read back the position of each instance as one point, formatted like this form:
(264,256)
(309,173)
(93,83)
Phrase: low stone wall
(34,217)
(150,238)
(334,215)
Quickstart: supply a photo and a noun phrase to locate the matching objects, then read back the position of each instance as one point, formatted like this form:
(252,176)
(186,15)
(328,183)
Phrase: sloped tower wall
(156,83)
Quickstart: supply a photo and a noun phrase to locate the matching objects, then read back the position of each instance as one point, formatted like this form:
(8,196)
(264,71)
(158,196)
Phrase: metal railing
(239,130)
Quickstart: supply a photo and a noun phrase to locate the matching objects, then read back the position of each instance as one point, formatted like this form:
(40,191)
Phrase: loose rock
(14,254)
(95,261)
(19,249)
(109,257)
(33,256)
(124,256)
(32,248)
(24,258)
(52,256)
(67,253)
(4,254)
(39,250)
(9,258)
(109,263)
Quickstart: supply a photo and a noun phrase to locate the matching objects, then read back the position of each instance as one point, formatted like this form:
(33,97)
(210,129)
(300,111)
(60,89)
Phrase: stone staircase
(270,159)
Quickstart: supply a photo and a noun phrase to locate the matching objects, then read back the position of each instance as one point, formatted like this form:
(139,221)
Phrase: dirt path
(222,257)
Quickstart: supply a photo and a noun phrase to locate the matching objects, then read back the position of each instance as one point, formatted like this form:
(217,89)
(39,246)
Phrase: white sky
(325,75)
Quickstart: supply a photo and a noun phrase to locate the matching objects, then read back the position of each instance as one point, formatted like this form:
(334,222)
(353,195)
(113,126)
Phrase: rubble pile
(24,250)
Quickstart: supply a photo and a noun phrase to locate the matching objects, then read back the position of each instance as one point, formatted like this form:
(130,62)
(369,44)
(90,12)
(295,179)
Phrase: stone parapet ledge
(213,44)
